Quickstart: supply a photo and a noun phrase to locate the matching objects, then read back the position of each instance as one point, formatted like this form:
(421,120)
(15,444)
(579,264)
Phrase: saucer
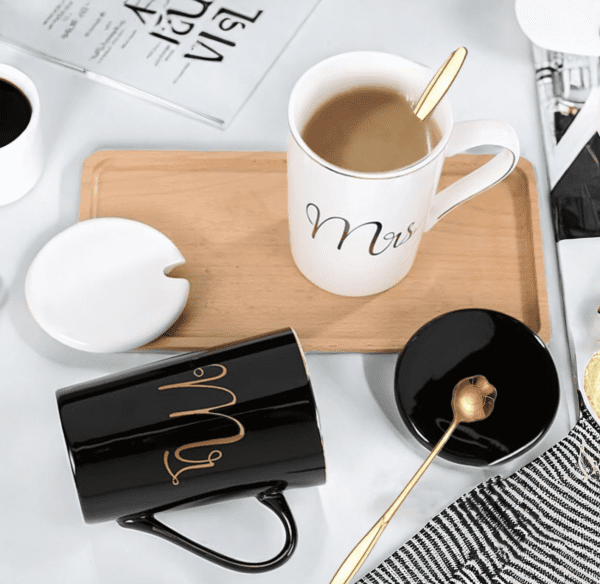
(471,342)
(556,25)
(101,285)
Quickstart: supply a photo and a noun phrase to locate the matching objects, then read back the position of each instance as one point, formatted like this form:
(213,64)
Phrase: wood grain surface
(227,213)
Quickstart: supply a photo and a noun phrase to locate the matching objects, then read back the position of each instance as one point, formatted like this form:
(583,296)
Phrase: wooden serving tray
(227,213)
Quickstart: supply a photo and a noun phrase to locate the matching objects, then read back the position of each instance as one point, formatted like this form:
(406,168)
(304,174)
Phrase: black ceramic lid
(477,342)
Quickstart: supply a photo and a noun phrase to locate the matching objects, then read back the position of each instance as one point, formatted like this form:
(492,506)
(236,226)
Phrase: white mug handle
(466,135)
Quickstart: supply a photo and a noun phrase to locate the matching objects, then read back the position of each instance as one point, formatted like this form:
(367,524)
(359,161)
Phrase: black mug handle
(274,500)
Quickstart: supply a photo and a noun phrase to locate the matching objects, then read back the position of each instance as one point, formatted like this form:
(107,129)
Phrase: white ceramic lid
(101,285)
(565,26)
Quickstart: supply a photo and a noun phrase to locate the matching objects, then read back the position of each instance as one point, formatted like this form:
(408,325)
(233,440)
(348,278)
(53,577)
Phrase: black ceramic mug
(237,420)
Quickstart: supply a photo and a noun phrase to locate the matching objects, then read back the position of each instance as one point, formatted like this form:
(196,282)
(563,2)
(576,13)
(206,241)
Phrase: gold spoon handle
(440,83)
(363,548)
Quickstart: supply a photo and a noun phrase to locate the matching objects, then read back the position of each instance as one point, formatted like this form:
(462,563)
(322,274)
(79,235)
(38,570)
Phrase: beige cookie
(591,382)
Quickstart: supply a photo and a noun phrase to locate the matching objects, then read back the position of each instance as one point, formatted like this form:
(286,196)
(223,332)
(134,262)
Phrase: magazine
(201,57)
(568,88)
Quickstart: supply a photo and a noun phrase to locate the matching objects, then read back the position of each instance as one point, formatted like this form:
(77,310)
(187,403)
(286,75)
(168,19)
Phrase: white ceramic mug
(21,160)
(356,233)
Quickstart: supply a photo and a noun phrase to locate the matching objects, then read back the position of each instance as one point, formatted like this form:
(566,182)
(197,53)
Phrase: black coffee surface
(15,112)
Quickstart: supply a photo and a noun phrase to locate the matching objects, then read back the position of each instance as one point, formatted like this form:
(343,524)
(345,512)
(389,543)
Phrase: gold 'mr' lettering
(214,455)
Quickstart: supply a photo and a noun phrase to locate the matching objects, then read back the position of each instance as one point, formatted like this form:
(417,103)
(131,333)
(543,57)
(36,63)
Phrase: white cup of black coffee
(21,159)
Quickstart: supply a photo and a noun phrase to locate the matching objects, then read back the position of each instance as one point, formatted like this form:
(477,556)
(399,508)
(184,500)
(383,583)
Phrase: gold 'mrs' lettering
(392,238)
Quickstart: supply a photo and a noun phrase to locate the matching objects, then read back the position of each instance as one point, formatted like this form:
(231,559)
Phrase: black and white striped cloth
(539,525)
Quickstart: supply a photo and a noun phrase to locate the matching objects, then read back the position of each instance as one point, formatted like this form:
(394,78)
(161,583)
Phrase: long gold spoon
(440,83)
(472,400)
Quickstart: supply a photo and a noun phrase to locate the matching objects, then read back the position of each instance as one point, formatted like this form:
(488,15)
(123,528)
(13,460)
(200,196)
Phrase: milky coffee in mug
(361,192)
(370,129)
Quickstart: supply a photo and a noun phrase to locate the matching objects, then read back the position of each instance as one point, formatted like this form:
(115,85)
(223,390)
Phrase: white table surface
(370,456)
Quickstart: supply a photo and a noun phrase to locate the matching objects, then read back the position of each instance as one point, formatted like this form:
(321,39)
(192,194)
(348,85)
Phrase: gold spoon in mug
(472,400)
(440,83)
